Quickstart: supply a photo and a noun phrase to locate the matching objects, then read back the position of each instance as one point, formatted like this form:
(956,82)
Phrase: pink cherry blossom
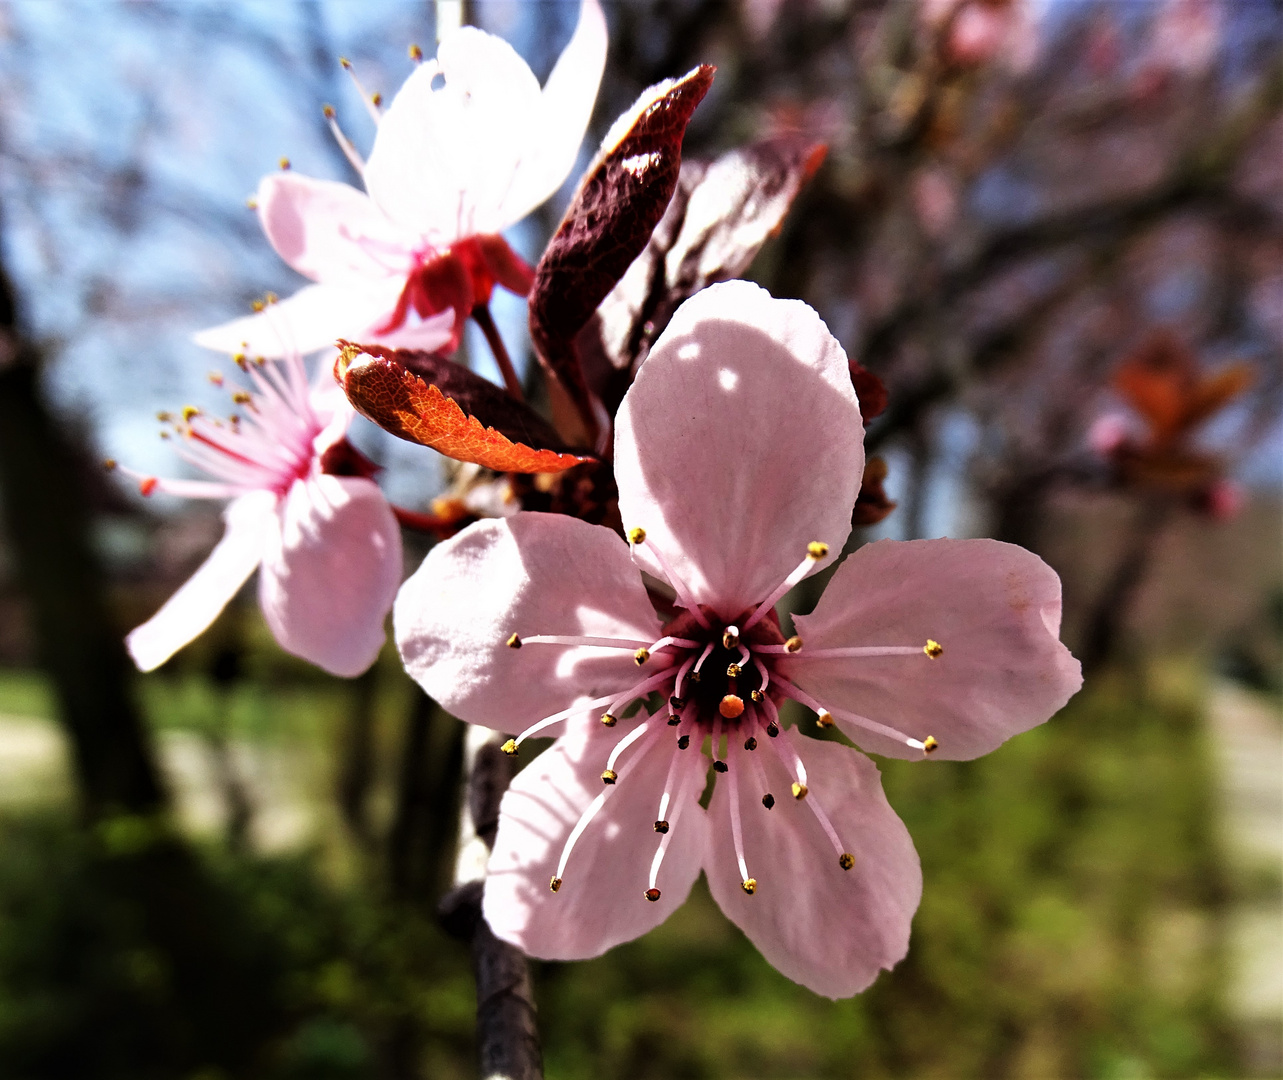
(469,146)
(738,454)
(327,547)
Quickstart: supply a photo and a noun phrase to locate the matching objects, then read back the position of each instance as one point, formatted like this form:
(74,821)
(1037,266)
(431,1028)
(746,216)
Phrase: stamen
(416,54)
(929,745)
(682,672)
(846,860)
(933,649)
(863,721)
(367,99)
(694,675)
(718,764)
(685,597)
(623,745)
(555,884)
(555,718)
(815,551)
(510,748)
(750,743)
(678,804)
(624,644)
(824,719)
(730,637)
(621,701)
(683,741)
(514,642)
(765,677)
(345,144)
(651,894)
(737,831)
(641,656)
(733,671)
(609,776)
(852,652)
(749,885)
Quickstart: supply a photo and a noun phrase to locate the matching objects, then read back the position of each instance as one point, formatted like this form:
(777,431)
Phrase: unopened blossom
(738,454)
(469,145)
(327,547)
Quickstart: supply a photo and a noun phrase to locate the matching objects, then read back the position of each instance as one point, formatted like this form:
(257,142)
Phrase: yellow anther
(251,203)
(190,412)
(637,535)
(929,745)
(817,549)
(555,884)
(260,361)
(328,112)
(416,54)
(758,696)
(257,305)
(609,720)
(609,776)
(932,648)
(793,644)
(846,860)
(731,706)
(239,360)
(270,298)
(749,885)
(661,827)
(824,719)
(768,800)
(164,434)
(510,748)
(651,894)
(730,637)
(641,656)
(164,417)
(242,397)
(376,98)
(284,163)
(733,671)
(799,790)
(346,65)
(514,642)
(109,464)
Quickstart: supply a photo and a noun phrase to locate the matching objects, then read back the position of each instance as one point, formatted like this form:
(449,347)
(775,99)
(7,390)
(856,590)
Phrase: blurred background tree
(1047,226)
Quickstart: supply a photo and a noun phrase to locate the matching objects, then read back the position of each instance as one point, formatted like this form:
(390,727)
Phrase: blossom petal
(329,231)
(188,613)
(739,443)
(827,928)
(313,318)
(995,609)
(528,574)
(601,901)
(444,159)
(564,109)
(331,572)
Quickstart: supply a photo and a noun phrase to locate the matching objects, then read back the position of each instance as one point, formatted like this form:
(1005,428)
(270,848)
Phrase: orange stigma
(731,706)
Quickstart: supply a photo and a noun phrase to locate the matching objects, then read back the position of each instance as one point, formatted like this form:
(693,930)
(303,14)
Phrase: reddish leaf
(869,389)
(447,409)
(872,505)
(620,199)
(720,216)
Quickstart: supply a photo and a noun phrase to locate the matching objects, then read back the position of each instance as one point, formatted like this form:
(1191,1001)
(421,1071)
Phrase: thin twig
(481,313)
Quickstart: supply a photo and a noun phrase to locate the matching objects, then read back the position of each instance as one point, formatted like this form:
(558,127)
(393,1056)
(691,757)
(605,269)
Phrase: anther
(216,378)
(677,703)
(731,706)
(284,163)
(270,298)
(768,800)
(637,535)
(240,362)
(793,644)
(257,305)
(749,885)
(555,884)
(189,412)
(694,676)
(328,112)
(651,894)
(164,417)
(609,720)
(514,642)
(720,767)
(750,743)
(732,671)
(376,98)
(673,719)
(773,729)
(661,827)
(641,656)
(730,637)
(609,776)
(109,464)
(817,549)
(799,790)
(933,648)
(345,63)
(846,860)
(241,397)
(757,696)
(510,748)
(416,54)
(251,203)
(683,741)
(824,719)
(929,745)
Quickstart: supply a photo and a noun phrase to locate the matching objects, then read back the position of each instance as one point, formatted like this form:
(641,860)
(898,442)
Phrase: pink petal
(313,318)
(331,573)
(995,608)
(528,574)
(329,231)
(601,901)
(739,443)
(196,604)
(827,928)
(565,107)
(444,160)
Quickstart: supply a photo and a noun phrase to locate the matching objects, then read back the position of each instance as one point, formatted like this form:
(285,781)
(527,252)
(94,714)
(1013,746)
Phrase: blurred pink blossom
(469,146)
(1107,433)
(327,547)
(738,456)
(983,31)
